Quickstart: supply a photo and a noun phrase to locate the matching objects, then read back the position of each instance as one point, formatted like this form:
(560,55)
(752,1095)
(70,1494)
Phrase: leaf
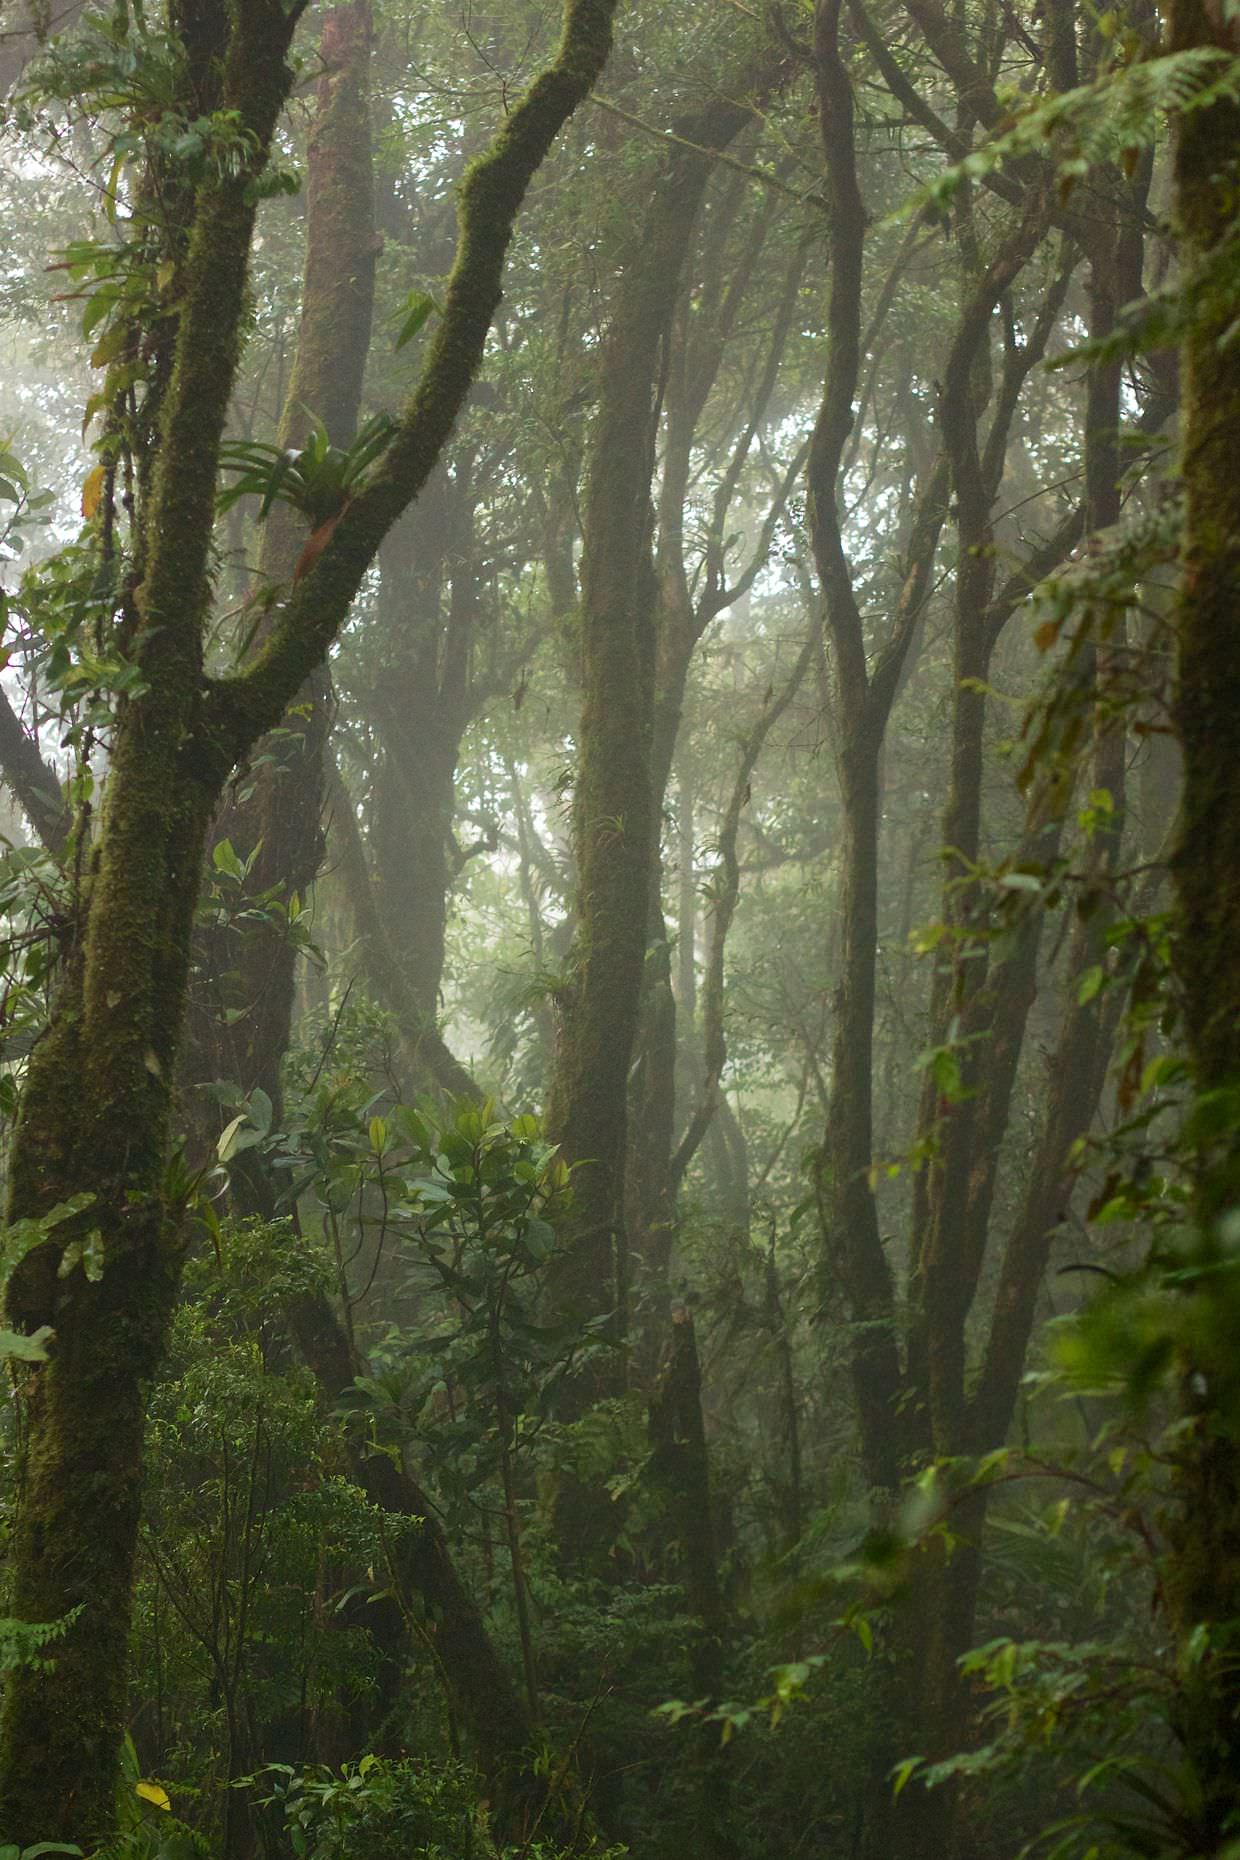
(224,859)
(151,1792)
(903,1773)
(540,1238)
(261,1110)
(26,1349)
(112,343)
(226,1142)
(286,463)
(1090,983)
(419,307)
(92,492)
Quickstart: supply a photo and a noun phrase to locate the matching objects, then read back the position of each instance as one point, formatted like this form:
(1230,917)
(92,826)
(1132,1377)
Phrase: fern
(1111,119)
(22,1643)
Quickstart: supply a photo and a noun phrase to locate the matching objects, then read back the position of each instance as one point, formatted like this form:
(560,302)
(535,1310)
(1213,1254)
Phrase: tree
(1204,1572)
(96,1120)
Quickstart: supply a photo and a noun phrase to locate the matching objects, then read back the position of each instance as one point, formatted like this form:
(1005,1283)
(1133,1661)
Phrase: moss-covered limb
(136,938)
(74,1544)
(1208,866)
(36,786)
(180,518)
(240,709)
(107,1103)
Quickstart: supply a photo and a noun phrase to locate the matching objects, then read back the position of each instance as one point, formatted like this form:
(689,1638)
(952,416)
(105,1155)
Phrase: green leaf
(419,307)
(903,1774)
(1090,983)
(26,1349)
(226,1143)
(225,860)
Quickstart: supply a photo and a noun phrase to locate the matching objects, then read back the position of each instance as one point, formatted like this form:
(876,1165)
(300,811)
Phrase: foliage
(316,478)
(393,1810)
(1123,110)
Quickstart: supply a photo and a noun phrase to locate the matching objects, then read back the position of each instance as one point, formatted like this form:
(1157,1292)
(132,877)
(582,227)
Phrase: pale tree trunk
(615,815)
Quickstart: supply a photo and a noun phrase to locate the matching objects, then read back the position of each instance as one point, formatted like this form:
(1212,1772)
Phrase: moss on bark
(1203,1578)
(96,1113)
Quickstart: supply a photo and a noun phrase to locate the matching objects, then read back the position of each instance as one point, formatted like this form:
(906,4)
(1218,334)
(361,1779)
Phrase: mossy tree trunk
(1203,1577)
(242,1035)
(95,1112)
(910,1374)
(95,1118)
(680,1466)
(615,806)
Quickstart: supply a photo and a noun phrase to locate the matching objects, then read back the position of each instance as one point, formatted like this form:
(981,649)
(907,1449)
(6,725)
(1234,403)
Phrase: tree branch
(240,708)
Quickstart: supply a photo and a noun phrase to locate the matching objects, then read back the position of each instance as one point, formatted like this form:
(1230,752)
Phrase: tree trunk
(1203,1578)
(242,1037)
(96,1108)
(96,1112)
(680,1464)
(615,807)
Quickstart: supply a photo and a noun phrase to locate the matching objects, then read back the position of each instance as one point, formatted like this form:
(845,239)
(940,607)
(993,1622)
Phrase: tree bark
(96,1111)
(276,817)
(1203,1577)
(615,811)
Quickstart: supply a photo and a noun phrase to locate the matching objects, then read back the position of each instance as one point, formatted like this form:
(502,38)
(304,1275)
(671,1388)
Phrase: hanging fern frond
(1109,120)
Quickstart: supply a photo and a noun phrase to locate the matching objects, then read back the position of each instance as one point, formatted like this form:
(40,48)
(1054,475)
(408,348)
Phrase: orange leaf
(92,492)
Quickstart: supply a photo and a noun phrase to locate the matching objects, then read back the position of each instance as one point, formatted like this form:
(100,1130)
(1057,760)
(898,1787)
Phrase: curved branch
(240,708)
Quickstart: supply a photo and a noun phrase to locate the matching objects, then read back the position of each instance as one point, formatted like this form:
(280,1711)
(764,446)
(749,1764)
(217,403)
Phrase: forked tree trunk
(242,1035)
(614,801)
(96,1113)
